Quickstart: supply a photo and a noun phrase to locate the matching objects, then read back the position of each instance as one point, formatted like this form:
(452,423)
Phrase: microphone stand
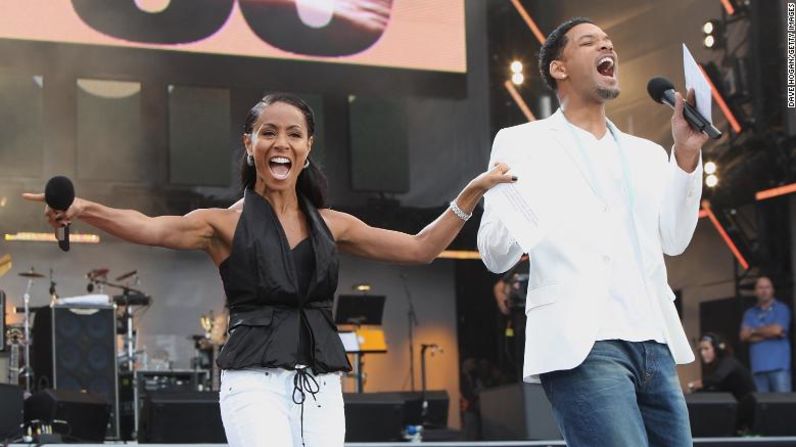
(411,316)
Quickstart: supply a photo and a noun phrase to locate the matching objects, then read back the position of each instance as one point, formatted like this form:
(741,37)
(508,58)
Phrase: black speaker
(517,411)
(10,411)
(75,349)
(181,417)
(84,416)
(775,414)
(374,417)
(712,414)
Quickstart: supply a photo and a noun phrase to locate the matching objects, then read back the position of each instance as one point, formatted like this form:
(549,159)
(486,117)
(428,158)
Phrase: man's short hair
(554,46)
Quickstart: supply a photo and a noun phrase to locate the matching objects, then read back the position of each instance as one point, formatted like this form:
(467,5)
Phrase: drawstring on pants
(304,382)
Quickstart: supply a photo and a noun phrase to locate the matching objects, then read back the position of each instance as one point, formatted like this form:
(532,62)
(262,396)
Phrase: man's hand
(687,140)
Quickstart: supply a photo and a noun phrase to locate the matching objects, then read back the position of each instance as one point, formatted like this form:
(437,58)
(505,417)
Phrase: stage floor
(703,442)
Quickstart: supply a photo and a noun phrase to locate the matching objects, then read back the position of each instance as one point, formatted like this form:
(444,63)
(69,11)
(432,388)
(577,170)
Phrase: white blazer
(569,266)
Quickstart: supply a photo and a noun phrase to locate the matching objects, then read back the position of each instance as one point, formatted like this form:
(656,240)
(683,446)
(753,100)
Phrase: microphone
(661,90)
(59,193)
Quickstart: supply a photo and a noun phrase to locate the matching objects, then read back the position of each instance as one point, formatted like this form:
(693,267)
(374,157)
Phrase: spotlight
(714,34)
(362,287)
(516,67)
(517,78)
(710,168)
(711,181)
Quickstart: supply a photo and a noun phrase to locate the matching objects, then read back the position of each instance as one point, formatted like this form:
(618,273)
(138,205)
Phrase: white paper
(350,341)
(532,206)
(695,79)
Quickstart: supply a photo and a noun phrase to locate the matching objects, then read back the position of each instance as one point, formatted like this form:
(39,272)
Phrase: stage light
(709,41)
(714,34)
(723,233)
(710,168)
(515,95)
(776,192)
(528,20)
(711,73)
(362,287)
(516,67)
(50,237)
(729,6)
(517,78)
(711,181)
(459,254)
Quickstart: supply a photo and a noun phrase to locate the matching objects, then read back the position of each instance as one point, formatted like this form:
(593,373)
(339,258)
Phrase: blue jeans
(778,381)
(623,394)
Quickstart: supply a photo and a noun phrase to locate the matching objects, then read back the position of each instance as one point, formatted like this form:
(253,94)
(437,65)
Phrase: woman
(276,251)
(723,372)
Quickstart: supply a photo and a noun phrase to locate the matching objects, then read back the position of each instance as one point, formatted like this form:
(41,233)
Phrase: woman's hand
(57,218)
(496,175)
(696,385)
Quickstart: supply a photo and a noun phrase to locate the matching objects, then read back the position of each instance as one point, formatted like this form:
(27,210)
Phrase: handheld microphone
(661,90)
(59,193)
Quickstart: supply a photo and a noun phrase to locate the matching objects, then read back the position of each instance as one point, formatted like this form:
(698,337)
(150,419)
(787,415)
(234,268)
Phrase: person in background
(721,371)
(509,292)
(766,327)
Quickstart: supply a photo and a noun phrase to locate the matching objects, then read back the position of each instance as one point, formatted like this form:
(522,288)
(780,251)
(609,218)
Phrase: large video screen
(411,34)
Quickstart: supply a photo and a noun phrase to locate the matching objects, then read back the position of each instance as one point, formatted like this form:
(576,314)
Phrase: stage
(705,442)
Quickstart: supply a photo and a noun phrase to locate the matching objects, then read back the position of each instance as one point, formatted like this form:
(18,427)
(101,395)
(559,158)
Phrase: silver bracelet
(458,211)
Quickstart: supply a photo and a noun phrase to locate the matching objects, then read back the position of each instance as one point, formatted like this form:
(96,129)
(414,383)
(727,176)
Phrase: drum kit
(19,336)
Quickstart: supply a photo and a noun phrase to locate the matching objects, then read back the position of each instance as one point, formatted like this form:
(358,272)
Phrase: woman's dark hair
(719,344)
(311,182)
(553,47)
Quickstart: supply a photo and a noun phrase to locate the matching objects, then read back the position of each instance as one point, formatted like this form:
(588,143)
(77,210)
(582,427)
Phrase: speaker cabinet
(10,411)
(182,417)
(84,415)
(74,349)
(374,417)
(712,414)
(517,411)
(775,414)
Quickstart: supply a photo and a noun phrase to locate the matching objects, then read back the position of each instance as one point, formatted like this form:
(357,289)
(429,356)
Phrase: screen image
(410,34)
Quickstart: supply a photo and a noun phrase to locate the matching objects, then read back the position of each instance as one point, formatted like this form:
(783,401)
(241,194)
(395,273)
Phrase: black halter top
(273,300)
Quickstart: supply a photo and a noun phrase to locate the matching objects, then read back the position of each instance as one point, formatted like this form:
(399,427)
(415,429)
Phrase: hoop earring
(249,160)
(306,164)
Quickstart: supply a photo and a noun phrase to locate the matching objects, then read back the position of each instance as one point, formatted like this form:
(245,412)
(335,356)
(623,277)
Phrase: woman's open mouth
(280,167)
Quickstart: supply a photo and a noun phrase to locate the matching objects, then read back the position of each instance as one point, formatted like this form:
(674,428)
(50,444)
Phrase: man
(509,292)
(602,333)
(765,328)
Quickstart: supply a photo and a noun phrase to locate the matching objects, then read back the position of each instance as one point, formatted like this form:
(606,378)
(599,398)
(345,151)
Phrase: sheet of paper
(350,341)
(695,79)
(532,206)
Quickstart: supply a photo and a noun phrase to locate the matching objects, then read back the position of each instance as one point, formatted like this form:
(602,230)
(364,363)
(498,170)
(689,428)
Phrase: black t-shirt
(730,376)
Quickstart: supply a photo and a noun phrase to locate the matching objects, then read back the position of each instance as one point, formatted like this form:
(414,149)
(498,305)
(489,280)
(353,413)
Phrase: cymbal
(5,264)
(31,274)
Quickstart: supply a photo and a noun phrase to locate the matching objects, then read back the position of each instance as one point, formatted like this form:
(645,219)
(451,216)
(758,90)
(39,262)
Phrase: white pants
(258,410)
